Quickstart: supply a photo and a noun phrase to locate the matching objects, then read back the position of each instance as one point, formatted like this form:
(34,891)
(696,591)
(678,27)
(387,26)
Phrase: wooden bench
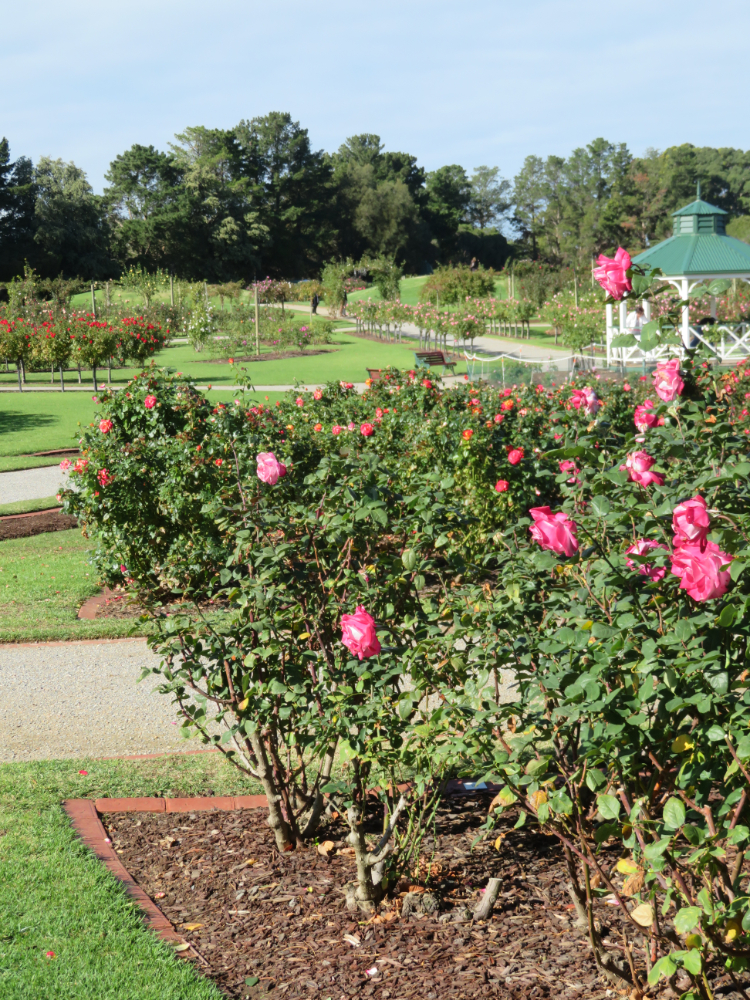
(375,374)
(433,359)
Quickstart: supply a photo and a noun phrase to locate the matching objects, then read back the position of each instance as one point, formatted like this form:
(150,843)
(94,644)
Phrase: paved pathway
(32,484)
(82,699)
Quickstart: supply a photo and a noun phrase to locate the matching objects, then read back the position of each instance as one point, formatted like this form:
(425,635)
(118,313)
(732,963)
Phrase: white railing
(728,342)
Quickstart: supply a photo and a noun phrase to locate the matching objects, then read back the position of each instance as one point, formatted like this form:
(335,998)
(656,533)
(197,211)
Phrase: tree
(447,204)
(489,200)
(72,235)
(528,199)
(16,212)
(289,189)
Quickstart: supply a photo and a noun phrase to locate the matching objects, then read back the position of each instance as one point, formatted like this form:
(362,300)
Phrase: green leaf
(409,559)
(624,340)
(727,616)
(687,918)
(674,813)
(664,967)
(601,505)
(715,734)
(521,821)
(251,980)
(649,341)
(718,286)
(441,541)
(692,961)
(707,904)
(608,806)
(595,779)
(719,682)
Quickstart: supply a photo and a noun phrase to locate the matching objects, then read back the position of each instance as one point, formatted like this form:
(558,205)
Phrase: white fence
(729,342)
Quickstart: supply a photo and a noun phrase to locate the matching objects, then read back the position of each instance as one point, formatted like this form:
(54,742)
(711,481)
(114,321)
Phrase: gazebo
(698,250)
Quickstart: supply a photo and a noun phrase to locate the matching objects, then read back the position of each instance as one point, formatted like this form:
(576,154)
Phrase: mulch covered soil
(266,924)
(24,525)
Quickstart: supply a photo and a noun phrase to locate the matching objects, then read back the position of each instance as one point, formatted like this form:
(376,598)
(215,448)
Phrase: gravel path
(32,484)
(82,699)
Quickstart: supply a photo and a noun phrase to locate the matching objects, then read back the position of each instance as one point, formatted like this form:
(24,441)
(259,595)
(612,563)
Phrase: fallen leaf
(353,940)
(251,981)
(192,927)
(643,915)
(499,841)
(182,947)
(596,880)
(325,848)
(633,884)
(346,850)
(159,895)
(250,861)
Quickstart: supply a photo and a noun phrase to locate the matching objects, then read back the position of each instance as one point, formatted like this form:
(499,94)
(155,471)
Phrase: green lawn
(411,287)
(27,506)
(41,421)
(55,896)
(43,582)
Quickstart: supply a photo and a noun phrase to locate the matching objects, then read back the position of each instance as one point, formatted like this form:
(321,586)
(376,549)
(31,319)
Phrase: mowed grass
(43,582)
(28,506)
(346,358)
(56,896)
(411,287)
(41,421)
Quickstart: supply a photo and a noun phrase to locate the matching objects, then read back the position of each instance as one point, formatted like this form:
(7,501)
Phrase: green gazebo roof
(699,245)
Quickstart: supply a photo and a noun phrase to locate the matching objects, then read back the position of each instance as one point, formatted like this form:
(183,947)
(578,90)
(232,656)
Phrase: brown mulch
(25,525)
(281,919)
(118,604)
(271,356)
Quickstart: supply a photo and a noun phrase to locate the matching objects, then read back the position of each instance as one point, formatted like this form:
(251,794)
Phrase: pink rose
(336,429)
(149,402)
(65,464)
(105,426)
(667,381)
(699,569)
(638,466)
(366,430)
(299,401)
(641,548)
(555,532)
(318,394)
(104,477)
(515,455)
(566,465)
(351,426)
(501,485)
(585,398)
(358,634)
(611,273)
(690,521)
(642,418)
(270,469)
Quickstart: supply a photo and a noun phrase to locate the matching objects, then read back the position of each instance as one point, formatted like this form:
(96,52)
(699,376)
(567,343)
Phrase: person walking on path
(343,304)
(315,301)
(634,322)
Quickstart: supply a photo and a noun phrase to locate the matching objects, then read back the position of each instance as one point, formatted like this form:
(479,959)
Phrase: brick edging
(31,513)
(84,815)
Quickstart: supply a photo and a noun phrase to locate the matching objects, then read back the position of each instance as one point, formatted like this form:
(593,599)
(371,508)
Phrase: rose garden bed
(259,921)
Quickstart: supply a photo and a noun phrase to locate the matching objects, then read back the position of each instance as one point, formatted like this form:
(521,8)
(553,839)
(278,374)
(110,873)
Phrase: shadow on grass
(12,421)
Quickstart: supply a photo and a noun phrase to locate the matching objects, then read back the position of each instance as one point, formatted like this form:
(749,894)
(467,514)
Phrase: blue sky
(471,82)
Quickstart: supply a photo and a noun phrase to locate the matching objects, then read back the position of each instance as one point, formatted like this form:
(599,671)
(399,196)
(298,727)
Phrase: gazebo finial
(699,191)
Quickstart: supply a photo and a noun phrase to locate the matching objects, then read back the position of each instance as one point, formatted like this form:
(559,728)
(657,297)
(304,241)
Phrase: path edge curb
(85,814)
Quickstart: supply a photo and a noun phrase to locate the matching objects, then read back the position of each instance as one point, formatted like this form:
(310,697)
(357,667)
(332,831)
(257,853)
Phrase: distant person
(315,301)
(474,265)
(635,321)
(343,304)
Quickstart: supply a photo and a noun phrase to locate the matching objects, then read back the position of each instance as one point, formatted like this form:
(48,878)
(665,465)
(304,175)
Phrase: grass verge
(55,896)
(28,506)
(43,582)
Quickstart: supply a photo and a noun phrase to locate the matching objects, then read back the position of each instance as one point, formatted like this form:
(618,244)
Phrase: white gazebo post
(623,316)
(687,336)
(647,310)
(610,321)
